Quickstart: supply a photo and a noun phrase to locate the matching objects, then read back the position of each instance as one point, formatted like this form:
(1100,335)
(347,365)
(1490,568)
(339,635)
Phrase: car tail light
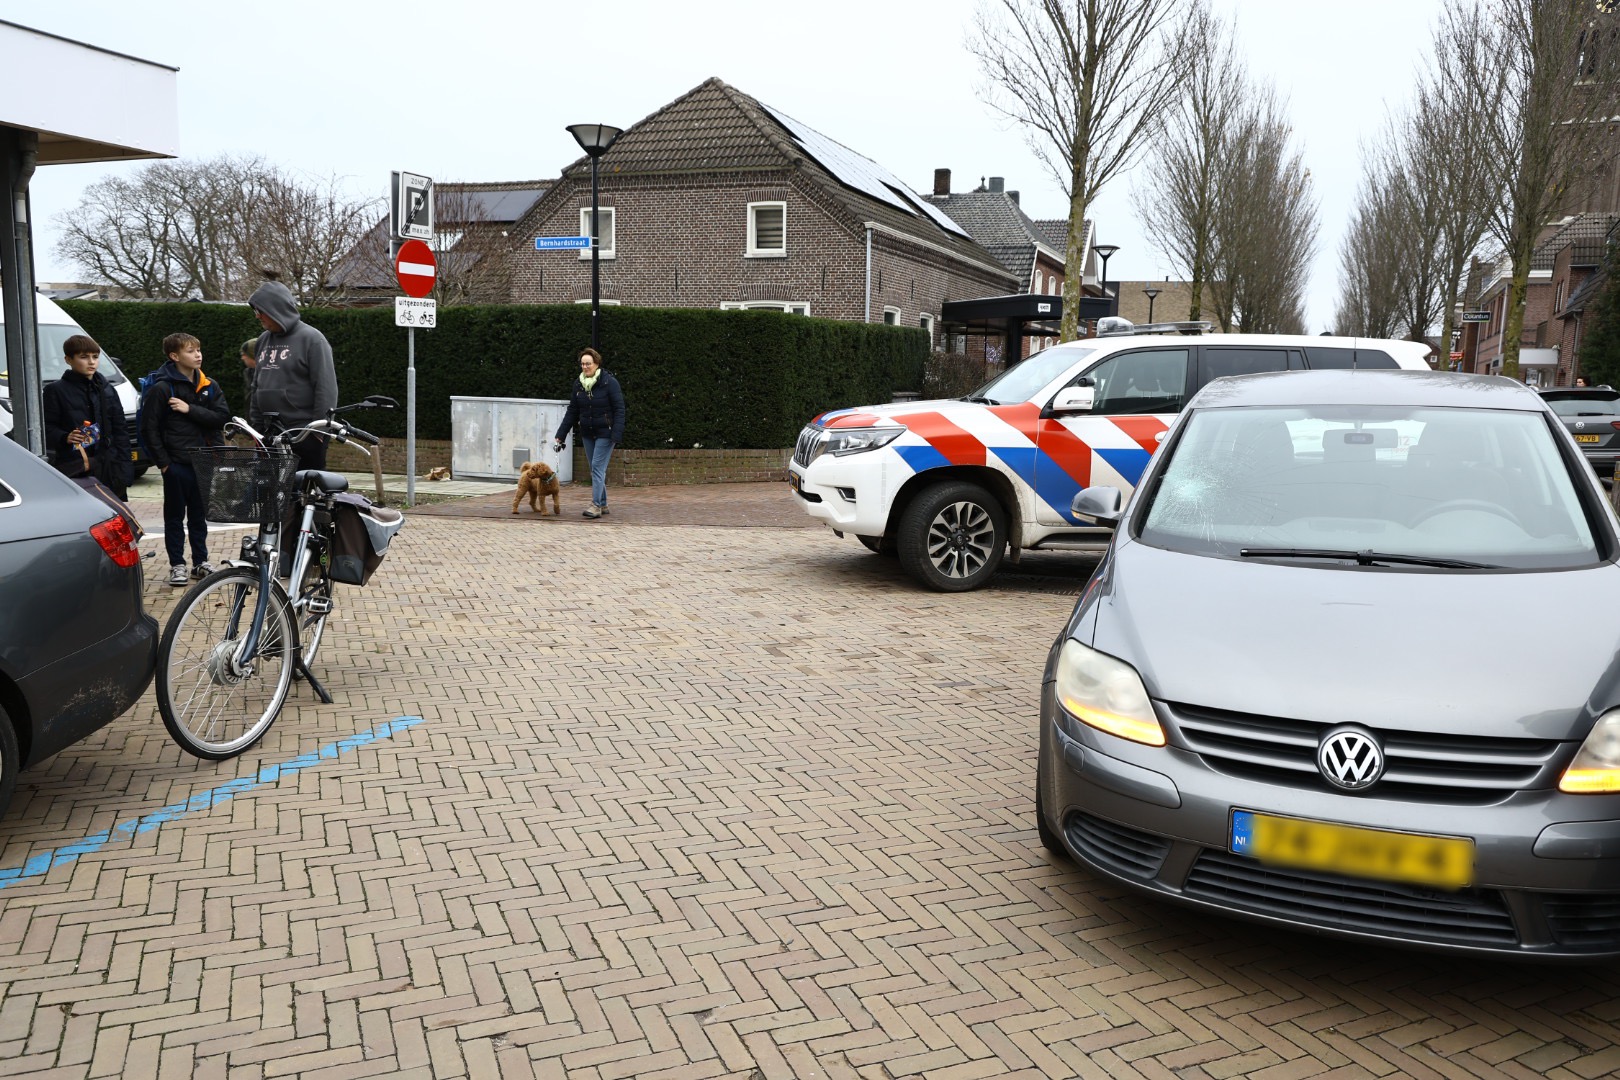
(1615,424)
(117,539)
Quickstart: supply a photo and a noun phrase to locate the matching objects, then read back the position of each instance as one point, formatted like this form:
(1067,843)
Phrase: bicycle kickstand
(308,676)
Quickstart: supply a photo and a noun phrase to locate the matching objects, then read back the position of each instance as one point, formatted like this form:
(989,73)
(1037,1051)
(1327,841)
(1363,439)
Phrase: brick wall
(628,468)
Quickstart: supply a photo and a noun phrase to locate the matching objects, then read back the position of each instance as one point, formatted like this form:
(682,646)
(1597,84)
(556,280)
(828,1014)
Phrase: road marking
(38,865)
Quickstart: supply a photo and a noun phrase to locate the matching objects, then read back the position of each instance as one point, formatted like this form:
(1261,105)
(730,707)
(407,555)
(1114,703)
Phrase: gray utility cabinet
(491,438)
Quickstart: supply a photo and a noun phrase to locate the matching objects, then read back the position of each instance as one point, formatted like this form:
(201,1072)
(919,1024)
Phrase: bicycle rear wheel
(314,608)
(212,709)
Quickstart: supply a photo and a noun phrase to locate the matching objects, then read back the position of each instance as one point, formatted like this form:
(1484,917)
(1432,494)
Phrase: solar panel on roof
(861,173)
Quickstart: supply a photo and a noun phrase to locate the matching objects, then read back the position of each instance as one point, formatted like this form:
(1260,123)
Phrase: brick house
(717,200)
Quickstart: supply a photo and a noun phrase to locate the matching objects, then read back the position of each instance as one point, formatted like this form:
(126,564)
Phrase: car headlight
(1106,694)
(1596,767)
(842,441)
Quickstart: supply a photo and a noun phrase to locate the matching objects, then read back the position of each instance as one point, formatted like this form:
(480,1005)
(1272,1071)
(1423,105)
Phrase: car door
(1135,396)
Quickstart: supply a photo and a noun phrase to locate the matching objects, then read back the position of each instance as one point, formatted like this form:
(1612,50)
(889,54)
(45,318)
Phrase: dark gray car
(1592,416)
(1351,664)
(77,648)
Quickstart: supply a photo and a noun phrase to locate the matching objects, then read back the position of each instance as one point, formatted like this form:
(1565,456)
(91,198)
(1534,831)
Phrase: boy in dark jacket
(85,433)
(182,410)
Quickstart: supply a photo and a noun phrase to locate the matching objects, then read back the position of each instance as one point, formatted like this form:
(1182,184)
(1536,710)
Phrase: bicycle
(238,638)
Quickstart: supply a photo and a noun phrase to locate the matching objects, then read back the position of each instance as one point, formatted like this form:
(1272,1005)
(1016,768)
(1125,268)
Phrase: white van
(55,327)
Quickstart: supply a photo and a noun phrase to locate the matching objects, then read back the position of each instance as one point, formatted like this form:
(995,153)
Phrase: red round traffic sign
(415,268)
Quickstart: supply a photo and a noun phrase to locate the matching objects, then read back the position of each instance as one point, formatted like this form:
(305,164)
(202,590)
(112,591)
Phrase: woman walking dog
(596,411)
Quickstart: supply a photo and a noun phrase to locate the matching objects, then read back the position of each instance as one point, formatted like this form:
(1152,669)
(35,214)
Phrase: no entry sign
(415,268)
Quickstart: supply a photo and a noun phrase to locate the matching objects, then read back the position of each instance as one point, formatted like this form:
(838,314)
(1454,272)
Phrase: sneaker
(177,574)
(604,510)
(593,512)
(202,570)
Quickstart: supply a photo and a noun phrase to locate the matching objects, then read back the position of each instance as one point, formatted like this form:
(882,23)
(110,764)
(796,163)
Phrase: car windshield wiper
(1365,558)
(981,400)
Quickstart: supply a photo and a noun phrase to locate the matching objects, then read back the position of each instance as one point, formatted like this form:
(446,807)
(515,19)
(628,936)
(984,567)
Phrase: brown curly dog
(537,480)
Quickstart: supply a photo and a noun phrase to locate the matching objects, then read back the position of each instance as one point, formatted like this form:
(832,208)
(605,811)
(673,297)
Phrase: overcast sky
(482,90)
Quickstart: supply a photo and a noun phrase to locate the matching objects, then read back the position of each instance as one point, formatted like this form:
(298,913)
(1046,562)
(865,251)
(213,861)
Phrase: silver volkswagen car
(1351,665)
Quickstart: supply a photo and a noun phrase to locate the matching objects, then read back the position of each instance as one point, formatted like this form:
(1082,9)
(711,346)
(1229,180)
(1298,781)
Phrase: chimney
(942,181)
(997,183)
(1013,195)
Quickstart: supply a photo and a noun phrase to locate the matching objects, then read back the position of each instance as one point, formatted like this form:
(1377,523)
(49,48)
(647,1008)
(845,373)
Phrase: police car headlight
(1596,767)
(842,441)
(1106,694)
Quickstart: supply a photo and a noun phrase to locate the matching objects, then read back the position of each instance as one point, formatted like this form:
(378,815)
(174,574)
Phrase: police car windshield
(1021,382)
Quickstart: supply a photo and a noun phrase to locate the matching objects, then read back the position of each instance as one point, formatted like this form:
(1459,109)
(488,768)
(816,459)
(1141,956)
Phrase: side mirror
(1100,504)
(381,402)
(1073,399)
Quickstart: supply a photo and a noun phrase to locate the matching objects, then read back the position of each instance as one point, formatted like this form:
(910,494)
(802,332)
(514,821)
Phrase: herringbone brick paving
(686,802)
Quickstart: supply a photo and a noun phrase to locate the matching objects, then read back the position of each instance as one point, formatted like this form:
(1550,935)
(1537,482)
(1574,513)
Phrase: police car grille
(1451,769)
(804,451)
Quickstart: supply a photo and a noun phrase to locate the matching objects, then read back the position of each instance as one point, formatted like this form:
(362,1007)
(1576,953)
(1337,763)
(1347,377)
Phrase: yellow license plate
(793,480)
(1445,862)
(134,455)
(1588,438)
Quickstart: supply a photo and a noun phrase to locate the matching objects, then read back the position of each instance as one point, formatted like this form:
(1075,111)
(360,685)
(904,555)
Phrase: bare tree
(1176,202)
(1088,80)
(1559,69)
(304,228)
(1370,296)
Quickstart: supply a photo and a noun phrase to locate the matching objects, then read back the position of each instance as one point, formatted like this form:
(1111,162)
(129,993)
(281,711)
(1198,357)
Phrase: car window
(1480,485)
(1023,381)
(8,496)
(1150,381)
(1322,357)
(1220,362)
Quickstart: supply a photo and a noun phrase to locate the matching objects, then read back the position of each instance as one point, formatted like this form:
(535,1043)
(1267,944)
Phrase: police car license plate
(1445,862)
(1588,438)
(794,481)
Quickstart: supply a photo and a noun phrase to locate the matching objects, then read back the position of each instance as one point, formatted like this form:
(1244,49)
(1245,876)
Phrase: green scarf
(590,382)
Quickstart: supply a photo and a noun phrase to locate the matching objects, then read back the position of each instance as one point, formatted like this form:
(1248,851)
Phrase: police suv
(950,485)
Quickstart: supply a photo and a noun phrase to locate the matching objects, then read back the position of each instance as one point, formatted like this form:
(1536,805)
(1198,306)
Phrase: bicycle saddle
(329,482)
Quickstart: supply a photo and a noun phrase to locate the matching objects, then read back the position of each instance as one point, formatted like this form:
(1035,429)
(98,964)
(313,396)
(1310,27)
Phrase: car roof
(1410,389)
(1567,393)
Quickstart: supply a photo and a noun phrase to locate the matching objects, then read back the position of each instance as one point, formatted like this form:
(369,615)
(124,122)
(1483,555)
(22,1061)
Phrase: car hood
(895,412)
(1496,654)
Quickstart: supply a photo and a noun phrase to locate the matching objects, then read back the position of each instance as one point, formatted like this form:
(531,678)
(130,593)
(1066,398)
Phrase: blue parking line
(39,864)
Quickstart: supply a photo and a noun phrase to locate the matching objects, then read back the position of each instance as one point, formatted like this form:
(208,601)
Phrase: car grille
(804,451)
(1470,917)
(1126,851)
(1427,768)
(1586,921)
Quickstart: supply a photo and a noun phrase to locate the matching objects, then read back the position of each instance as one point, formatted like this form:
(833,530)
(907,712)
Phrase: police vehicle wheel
(952,537)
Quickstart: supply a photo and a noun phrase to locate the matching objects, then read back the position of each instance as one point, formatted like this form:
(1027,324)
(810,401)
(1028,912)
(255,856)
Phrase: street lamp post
(595,139)
(1151,293)
(1103,252)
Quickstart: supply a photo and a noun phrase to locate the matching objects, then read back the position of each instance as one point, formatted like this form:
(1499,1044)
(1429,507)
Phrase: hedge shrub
(691,376)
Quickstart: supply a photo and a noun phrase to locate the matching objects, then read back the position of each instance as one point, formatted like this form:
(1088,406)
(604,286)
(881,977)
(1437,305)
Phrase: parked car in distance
(1350,665)
(950,486)
(1592,416)
(77,647)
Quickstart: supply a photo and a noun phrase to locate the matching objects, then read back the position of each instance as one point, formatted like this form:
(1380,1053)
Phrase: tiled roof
(487,203)
(1586,234)
(718,128)
(996,221)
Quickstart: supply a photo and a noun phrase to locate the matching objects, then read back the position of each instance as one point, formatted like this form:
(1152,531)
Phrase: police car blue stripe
(922,457)
(1055,487)
(1130,464)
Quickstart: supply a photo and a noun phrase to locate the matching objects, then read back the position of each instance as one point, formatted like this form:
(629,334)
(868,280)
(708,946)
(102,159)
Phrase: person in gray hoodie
(293,375)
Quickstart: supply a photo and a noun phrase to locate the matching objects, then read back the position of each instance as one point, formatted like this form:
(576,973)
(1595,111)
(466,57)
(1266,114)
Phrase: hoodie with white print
(295,377)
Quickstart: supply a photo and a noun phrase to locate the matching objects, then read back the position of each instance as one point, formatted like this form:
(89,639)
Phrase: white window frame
(754,250)
(926,321)
(791,307)
(888,311)
(605,217)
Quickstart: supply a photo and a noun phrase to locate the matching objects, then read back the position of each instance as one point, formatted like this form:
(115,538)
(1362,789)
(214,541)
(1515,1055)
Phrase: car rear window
(1599,404)
(1320,357)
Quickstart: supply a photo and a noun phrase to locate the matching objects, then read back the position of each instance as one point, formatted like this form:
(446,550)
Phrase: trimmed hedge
(691,376)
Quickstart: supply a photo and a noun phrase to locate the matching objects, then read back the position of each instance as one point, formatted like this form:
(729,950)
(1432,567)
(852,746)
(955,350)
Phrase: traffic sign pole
(417,270)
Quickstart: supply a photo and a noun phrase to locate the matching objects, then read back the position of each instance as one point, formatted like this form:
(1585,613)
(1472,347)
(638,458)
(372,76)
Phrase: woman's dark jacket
(598,412)
(170,435)
(69,402)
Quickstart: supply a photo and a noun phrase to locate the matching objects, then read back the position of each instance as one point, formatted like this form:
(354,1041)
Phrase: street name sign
(415,267)
(1476,316)
(562,243)
(409,311)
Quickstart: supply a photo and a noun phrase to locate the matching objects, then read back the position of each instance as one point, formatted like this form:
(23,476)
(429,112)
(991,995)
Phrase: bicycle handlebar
(364,436)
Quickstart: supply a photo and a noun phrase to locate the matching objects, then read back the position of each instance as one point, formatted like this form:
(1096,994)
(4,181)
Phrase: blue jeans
(597,452)
(184,512)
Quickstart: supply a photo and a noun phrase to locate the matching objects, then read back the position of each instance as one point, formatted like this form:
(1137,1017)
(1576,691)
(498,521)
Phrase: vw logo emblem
(1580,425)
(1350,758)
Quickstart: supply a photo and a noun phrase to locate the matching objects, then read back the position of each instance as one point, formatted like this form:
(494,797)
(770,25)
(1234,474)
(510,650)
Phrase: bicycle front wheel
(214,706)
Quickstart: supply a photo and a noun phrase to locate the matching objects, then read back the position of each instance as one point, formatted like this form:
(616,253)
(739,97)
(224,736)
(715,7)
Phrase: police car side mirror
(1099,504)
(1073,399)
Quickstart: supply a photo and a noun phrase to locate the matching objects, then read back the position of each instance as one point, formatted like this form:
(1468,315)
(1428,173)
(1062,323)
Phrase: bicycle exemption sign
(410,311)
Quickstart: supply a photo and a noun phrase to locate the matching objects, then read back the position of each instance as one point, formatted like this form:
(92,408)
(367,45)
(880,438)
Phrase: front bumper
(851,494)
(1159,820)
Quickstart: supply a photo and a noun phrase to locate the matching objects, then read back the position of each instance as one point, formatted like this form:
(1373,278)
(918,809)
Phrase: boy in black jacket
(182,410)
(85,432)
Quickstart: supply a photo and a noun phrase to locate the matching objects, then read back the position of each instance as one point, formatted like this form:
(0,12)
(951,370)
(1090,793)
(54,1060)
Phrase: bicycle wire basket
(246,485)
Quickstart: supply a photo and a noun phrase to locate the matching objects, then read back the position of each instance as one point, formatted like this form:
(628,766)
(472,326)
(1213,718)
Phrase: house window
(927,323)
(1040,283)
(891,316)
(789,306)
(605,230)
(767,230)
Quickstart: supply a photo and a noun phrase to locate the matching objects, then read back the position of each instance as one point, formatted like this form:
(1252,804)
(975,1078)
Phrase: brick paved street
(684,802)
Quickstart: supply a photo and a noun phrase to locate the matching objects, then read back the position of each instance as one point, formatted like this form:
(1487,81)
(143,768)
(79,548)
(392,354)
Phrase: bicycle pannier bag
(360,536)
